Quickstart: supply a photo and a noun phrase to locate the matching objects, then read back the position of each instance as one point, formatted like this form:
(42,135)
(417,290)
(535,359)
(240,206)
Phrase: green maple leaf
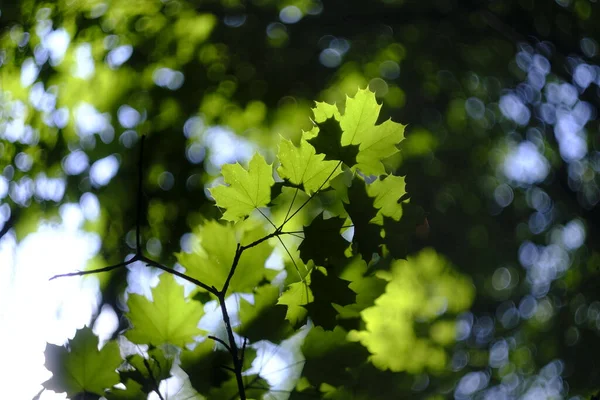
(265,319)
(376,142)
(211,260)
(387,192)
(421,288)
(303,166)
(297,295)
(329,142)
(166,319)
(360,208)
(204,366)
(328,291)
(330,356)
(248,189)
(323,241)
(83,368)
(400,234)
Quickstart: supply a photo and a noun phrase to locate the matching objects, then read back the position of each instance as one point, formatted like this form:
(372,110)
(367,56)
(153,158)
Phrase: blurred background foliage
(501,150)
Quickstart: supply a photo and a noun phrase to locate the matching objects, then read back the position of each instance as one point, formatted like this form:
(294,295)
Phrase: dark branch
(153,379)
(179,274)
(99,270)
(218,340)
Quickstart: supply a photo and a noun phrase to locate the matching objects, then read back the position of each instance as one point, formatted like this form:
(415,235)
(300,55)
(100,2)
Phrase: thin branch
(196,282)
(232,345)
(243,350)
(267,218)
(291,258)
(236,260)
(291,204)
(218,340)
(99,270)
(311,196)
(227,368)
(153,379)
(138,239)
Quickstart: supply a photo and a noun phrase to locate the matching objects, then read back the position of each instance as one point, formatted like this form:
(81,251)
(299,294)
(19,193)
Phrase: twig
(237,365)
(153,379)
(97,271)
(224,343)
(311,196)
(188,278)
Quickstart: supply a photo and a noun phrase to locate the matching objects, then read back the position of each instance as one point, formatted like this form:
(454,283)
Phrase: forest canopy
(297,199)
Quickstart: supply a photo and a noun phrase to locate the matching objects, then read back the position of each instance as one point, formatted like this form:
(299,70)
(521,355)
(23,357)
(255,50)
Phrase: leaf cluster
(341,223)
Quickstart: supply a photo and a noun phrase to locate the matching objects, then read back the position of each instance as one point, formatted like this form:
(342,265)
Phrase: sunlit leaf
(213,255)
(376,142)
(168,318)
(303,166)
(421,288)
(297,295)
(248,189)
(387,193)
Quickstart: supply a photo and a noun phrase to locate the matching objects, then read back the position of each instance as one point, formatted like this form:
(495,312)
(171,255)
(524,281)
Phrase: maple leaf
(323,241)
(83,368)
(422,288)
(329,356)
(211,260)
(303,166)
(328,290)
(376,142)
(204,366)
(166,319)
(265,319)
(297,295)
(387,192)
(329,142)
(248,189)
(361,210)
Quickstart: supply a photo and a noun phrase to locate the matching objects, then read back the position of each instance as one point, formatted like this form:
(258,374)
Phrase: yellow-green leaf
(248,189)
(422,288)
(302,166)
(168,318)
(212,257)
(376,142)
(387,192)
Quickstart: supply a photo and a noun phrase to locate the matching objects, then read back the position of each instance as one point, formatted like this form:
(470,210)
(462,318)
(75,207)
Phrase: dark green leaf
(329,142)
(323,242)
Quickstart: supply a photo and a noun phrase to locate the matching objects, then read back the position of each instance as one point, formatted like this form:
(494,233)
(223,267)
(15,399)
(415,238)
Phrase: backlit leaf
(376,142)
(248,189)
(213,254)
(168,318)
(303,166)
(422,289)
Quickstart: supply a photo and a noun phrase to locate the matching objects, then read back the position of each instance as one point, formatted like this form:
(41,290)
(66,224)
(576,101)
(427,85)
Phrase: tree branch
(99,270)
